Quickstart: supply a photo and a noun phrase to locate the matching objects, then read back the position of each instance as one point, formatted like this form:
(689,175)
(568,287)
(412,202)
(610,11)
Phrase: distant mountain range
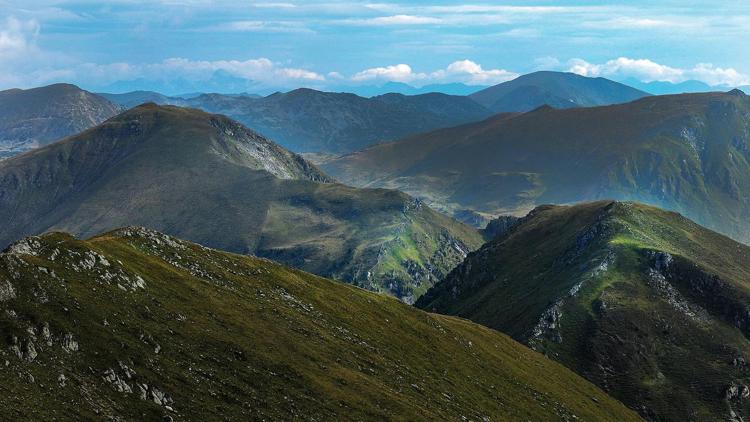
(211,180)
(35,117)
(687,87)
(329,123)
(642,302)
(689,153)
(137,325)
(310,121)
(555,89)
(406,89)
(305,120)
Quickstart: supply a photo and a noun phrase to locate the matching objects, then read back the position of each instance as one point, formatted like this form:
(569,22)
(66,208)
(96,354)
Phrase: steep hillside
(642,302)
(556,89)
(211,180)
(689,153)
(136,325)
(34,117)
(305,120)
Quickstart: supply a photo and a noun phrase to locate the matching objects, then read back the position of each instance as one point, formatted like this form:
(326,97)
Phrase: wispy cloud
(261,26)
(393,20)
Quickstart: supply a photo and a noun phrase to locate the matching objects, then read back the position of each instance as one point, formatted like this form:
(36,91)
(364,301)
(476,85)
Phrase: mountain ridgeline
(642,302)
(306,120)
(137,325)
(209,179)
(689,153)
(555,89)
(35,117)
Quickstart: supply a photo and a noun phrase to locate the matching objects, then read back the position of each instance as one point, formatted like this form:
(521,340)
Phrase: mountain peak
(35,117)
(628,294)
(557,89)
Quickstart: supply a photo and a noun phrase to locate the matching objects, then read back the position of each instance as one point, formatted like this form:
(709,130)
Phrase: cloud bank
(648,71)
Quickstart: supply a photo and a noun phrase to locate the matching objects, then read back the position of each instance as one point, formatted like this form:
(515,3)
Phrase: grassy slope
(234,337)
(181,171)
(669,352)
(688,153)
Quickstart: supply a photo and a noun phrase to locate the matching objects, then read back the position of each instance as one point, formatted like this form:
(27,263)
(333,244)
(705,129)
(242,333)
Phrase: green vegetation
(211,180)
(136,325)
(643,302)
(687,153)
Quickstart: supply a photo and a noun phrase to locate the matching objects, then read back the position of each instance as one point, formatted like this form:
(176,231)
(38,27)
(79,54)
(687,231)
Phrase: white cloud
(396,73)
(260,70)
(668,23)
(465,71)
(274,5)
(648,71)
(394,20)
(262,26)
(472,73)
(17,37)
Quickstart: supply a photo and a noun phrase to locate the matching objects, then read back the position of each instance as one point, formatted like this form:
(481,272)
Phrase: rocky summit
(138,325)
(642,302)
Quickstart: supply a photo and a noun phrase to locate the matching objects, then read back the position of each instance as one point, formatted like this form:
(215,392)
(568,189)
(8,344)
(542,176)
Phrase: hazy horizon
(179,46)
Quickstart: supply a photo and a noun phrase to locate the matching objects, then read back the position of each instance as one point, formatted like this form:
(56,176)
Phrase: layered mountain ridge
(643,302)
(211,180)
(306,120)
(688,153)
(137,325)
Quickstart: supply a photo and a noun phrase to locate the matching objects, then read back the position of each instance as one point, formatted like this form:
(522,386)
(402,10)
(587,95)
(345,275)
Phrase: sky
(178,45)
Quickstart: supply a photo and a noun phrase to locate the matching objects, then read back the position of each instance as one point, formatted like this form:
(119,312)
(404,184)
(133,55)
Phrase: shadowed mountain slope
(34,117)
(642,302)
(306,120)
(689,153)
(211,180)
(555,89)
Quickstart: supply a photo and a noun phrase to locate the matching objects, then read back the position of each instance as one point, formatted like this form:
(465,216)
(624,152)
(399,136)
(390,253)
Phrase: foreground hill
(211,180)
(136,325)
(555,89)
(34,117)
(306,120)
(689,153)
(642,302)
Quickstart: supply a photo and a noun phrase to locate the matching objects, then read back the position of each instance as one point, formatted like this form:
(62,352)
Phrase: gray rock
(7,292)
(69,344)
(121,386)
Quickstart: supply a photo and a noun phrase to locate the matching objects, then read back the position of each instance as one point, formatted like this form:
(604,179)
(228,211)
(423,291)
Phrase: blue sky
(174,44)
